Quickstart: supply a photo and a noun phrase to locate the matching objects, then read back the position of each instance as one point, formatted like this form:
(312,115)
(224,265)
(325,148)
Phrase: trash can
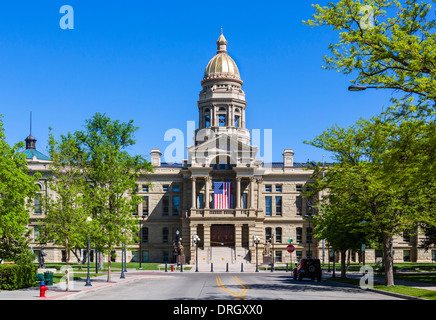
(48,278)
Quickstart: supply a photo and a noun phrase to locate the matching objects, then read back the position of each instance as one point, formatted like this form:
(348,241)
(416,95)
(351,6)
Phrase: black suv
(308,268)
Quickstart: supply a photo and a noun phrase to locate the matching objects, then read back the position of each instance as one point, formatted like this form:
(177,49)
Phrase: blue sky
(144,60)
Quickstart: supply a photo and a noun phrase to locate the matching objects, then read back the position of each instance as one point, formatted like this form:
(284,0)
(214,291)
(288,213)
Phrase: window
(37,204)
(268,234)
(278,256)
(268,205)
(145,188)
(145,206)
(244,201)
(308,235)
(268,188)
(279,188)
(279,235)
(237,121)
(176,206)
(200,201)
(207,120)
(145,256)
(144,235)
(165,188)
(166,256)
(222,120)
(299,188)
(279,206)
(309,208)
(298,203)
(176,188)
(406,255)
(36,233)
(165,205)
(299,237)
(165,235)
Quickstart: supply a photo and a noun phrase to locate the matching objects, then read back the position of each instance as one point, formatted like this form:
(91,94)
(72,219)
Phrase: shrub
(17,276)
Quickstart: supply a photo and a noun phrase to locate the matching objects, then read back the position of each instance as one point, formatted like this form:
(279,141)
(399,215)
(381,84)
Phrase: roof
(30,153)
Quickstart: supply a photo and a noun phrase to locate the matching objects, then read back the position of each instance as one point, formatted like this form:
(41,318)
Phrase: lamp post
(88,278)
(363,244)
(355,87)
(256,240)
(122,258)
(196,240)
(272,246)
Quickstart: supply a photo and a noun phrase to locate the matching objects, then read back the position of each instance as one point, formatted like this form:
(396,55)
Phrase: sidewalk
(56,291)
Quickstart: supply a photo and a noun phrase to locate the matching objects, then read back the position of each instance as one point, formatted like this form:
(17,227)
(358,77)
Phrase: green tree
(388,44)
(64,207)
(17,190)
(112,173)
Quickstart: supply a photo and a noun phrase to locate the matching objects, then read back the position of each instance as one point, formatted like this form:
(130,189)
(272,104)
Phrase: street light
(272,244)
(196,240)
(88,279)
(256,240)
(356,87)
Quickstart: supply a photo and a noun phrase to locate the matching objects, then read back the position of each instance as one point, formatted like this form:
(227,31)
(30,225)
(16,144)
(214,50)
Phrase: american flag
(221,195)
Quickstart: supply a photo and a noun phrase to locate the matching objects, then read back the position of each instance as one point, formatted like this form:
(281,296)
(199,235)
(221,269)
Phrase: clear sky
(144,60)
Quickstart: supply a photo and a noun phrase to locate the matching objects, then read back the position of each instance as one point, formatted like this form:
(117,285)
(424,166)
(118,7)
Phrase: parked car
(308,268)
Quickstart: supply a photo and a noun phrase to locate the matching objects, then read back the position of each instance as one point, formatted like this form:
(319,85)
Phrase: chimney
(155,157)
(288,158)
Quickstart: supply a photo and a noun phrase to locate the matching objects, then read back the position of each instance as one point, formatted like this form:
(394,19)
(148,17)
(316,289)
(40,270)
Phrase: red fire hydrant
(172,268)
(42,289)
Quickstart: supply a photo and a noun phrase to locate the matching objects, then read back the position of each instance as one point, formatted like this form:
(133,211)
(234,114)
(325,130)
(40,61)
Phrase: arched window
(237,121)
(222,120)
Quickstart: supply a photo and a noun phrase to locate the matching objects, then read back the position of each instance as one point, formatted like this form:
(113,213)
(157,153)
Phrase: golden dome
(221,65)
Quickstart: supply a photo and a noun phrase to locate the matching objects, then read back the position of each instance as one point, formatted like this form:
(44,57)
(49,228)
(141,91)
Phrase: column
(238,192)
(259,192)
(251,193)
(206,229)
(206,195)
(194,193)
(238,235)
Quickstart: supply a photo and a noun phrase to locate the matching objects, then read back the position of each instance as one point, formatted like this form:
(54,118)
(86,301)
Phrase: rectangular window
(299,235)
(279,206)
(200,201)
(299,205)
(176,188)
(268,188)
(145,188)
(36,233)
(278,235)
(165,235)
(244,201)
(176,206)
(406,255)
(268,210)
(308,235)
(144,235)
(165,205)
(299,188)
(278,256)
(145,206)
(165,187)
(166,256)
(279,188)
(37,203)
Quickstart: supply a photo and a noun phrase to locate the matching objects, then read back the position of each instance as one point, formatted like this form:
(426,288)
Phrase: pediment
(219,148)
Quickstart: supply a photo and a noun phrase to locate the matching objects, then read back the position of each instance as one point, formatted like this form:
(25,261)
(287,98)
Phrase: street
(228,286)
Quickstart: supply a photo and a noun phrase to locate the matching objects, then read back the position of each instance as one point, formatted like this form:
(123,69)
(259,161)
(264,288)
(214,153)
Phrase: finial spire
(30,140)
(221,43)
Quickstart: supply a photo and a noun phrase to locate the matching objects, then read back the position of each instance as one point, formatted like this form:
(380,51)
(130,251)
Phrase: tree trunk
(100,260)
(343,262)
(109,268)
(67,263)
(388,259)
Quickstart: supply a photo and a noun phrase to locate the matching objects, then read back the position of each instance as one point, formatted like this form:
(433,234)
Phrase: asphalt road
(229,286)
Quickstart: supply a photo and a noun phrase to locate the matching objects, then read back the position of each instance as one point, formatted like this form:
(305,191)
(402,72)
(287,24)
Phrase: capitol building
(222,193)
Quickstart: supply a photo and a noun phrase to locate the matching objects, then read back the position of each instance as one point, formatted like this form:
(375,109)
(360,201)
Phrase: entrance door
(222,235)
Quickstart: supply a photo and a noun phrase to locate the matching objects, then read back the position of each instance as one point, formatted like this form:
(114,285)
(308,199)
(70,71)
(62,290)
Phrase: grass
(405,290)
